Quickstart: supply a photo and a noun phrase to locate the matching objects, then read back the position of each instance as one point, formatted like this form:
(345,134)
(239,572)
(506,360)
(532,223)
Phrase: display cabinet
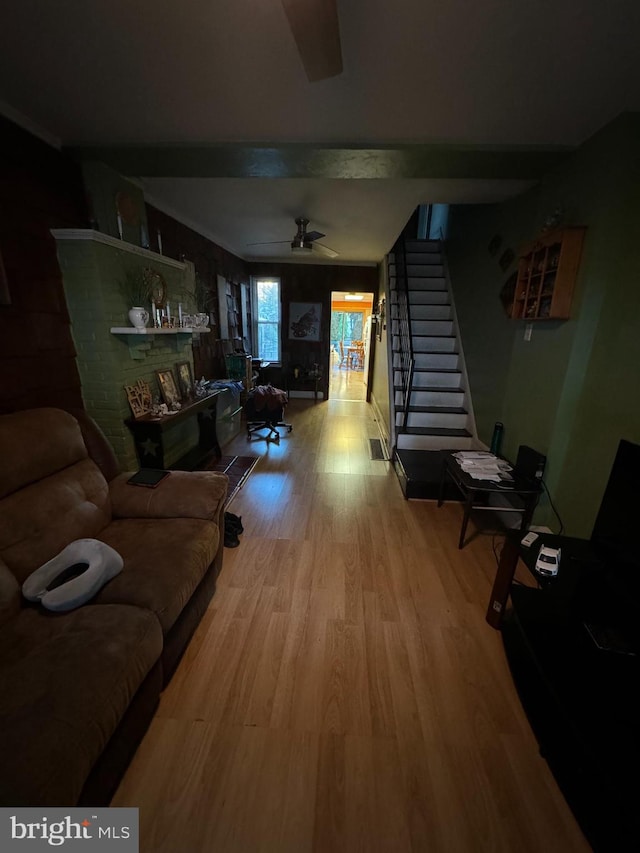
(547,272)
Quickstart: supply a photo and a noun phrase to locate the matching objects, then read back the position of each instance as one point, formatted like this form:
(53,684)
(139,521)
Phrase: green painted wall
(572,391)
(107,362)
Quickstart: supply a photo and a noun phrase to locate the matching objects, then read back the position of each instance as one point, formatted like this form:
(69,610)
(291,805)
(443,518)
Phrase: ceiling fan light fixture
(299,244)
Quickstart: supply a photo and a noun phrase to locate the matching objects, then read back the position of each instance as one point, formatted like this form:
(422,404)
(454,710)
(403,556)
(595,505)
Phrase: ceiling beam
(300,160)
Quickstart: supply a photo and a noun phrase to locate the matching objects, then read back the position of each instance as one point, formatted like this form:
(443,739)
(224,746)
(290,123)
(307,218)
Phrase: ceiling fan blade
(321,249)
(268,243)
(313,235)
(316,30)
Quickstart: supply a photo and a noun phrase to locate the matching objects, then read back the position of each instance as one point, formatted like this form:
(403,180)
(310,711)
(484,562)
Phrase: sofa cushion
(164,561)
(36,443)
(39,520)
(183,494)
(65,683)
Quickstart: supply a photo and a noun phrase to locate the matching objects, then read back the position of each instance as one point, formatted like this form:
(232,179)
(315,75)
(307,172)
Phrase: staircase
(431,403)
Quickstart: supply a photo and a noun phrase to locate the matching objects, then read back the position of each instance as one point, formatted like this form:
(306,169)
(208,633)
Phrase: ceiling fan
(316,30)
(303,241)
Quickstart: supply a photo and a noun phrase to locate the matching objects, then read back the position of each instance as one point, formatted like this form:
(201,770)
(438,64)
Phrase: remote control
(529,539)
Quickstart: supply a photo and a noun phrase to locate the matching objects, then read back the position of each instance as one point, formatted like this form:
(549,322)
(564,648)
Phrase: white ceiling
(187,73)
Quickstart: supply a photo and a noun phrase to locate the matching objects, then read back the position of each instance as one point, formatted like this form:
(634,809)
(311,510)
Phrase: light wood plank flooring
(343,691)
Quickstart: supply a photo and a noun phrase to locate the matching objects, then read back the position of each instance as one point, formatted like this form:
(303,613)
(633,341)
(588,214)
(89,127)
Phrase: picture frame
(185,379)
(140,398)
(382,316)
(494,244)
(168,387)
(305,321)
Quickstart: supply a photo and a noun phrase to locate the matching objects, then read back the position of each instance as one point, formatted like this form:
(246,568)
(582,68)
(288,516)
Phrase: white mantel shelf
(131,330)
(121,245)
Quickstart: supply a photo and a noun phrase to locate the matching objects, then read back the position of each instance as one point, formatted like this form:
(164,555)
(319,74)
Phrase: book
(149,477)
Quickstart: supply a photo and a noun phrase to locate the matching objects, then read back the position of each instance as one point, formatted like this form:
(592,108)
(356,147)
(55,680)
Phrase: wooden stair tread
(438,410)
(433,388)
(442,431)
(437,369)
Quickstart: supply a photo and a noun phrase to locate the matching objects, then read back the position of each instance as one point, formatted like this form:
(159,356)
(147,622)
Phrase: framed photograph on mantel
(168,387)
(185,380)
(304,321)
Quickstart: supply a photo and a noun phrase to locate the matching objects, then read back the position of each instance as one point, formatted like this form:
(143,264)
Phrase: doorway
(350,344)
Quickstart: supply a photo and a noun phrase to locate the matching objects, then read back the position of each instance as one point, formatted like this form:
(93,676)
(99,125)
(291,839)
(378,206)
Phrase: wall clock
(157,286)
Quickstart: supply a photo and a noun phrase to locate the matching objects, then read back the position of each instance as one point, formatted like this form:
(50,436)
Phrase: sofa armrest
(183,494)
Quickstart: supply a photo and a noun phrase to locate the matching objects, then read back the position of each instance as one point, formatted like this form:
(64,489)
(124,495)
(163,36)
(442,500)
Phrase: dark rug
(237,469)
(376,450)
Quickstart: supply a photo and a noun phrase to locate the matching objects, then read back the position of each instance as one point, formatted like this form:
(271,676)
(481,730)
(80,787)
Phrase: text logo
(74,829)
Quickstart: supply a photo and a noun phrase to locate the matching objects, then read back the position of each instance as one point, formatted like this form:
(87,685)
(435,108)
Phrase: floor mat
(237,469)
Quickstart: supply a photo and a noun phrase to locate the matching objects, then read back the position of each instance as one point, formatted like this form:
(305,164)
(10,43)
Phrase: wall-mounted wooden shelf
(547,273)
(131,330)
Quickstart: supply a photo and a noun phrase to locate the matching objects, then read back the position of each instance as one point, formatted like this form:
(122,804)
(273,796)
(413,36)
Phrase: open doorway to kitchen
(350,345)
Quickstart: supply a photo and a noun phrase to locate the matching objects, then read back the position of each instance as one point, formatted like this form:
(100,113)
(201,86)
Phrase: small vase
(138,317)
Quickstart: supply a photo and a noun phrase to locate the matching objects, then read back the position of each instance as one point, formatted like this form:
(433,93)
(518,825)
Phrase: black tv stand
(582,701)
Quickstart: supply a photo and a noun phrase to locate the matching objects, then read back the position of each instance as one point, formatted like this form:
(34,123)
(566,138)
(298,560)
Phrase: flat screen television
(615,538)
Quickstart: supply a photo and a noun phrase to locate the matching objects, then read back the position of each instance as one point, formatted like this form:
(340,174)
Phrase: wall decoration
(139,397)
(494,244)
(127,208)
(185,380)
(506,259)
(168,387)
(304,321)
(382,316)
(157,286)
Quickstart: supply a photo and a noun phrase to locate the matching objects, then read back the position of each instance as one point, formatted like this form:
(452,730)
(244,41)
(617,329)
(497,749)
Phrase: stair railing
(405,352)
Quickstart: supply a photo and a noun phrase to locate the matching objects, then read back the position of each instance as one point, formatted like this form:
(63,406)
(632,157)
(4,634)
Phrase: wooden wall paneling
(314,283)
(40,188)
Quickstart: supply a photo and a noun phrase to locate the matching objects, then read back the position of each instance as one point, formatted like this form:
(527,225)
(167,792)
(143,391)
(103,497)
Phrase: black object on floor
(232,529)
(233,522)
(237,469)
(420,472)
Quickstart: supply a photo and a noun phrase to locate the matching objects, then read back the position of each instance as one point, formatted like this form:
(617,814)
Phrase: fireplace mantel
(120,245)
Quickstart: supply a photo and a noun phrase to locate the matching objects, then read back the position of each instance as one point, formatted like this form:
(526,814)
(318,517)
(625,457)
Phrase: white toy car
(548,561)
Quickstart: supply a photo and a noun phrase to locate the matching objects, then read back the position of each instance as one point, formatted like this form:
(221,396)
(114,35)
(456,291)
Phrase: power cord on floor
(494,547)
(553,508)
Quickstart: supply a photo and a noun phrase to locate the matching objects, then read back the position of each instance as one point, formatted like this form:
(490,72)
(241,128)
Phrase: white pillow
(89,564)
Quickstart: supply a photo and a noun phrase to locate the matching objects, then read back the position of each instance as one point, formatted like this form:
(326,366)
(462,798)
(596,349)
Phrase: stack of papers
(483,465)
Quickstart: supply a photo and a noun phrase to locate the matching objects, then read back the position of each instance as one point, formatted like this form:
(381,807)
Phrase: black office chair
(264,409)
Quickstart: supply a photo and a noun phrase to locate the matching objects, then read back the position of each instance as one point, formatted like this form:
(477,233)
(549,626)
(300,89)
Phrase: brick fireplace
(92,265)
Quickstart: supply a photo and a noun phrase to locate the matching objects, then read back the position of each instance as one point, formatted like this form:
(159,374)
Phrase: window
(267,318)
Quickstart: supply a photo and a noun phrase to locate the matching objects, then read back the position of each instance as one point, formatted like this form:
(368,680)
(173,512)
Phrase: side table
(149,434)
(473,490)
(305,381)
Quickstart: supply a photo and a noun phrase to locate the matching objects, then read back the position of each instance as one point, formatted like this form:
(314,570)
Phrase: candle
(168,313)
(153,312)
(159,241)
(120,226)
(180,314)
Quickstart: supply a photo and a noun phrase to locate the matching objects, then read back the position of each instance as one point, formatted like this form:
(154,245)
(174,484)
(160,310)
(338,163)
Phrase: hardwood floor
(343,691)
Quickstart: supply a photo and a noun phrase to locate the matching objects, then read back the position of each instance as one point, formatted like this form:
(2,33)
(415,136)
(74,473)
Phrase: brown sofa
(78,689)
